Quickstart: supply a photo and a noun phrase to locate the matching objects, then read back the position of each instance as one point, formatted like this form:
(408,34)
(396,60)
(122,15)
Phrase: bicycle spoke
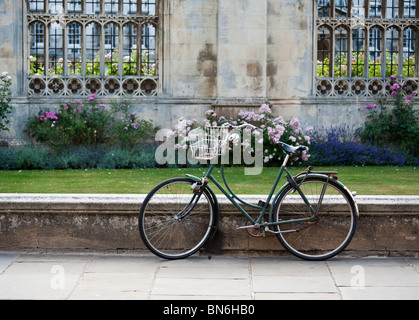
(333,228)
(165,232)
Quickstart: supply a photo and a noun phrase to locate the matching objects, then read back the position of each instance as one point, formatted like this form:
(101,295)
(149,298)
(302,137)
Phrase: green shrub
(127,129)
(82,157)
(82,124)
(397,126)
(116,159)
(31,158)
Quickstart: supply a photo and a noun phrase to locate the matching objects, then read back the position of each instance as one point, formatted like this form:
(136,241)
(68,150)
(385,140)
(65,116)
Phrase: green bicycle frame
(235,199)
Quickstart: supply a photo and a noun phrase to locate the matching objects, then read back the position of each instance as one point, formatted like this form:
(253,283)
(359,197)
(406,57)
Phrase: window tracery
(362,43)
(85,47)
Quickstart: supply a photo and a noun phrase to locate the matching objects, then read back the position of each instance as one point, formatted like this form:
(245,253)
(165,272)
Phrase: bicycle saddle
(290,149)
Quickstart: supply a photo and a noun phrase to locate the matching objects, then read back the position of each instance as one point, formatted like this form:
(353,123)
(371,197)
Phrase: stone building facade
(319,60)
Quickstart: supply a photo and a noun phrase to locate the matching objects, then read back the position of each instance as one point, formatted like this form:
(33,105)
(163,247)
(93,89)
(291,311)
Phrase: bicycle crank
(254,230)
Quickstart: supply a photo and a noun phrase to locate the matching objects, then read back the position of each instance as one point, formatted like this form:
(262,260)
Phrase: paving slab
(298,296)
(286,266)
(195,287)
(36,287)
(380,293)
(374,273)
(295,283)
(125,264)
(39,277)
(6,260)
(96,276)
(113,286)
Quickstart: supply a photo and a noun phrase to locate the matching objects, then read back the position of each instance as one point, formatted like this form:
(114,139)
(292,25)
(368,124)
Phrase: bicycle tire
(335,223)
(161,230)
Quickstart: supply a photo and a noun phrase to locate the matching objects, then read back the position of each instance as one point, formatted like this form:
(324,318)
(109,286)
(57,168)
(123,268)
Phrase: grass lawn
(363,180)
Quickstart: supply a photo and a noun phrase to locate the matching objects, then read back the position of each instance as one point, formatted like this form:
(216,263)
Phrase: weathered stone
(387,225)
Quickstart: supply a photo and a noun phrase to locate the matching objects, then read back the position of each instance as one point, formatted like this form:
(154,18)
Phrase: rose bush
(80,123)
(393,121)
(275,129)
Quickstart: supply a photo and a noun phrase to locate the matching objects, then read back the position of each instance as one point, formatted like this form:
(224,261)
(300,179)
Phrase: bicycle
(313,215)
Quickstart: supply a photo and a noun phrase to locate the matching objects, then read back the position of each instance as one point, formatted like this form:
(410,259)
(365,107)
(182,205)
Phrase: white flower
(4,74)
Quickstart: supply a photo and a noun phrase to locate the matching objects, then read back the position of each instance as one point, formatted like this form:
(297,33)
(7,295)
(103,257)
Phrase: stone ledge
(388,225)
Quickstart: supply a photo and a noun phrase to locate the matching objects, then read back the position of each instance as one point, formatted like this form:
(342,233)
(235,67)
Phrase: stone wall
(388,225)
(224,54)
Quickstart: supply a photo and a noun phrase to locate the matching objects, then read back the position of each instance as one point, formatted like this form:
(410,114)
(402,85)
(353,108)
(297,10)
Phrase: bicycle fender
(340,184)
(313,176)
(214,198)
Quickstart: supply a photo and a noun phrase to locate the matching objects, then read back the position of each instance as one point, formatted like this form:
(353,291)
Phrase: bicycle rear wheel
(162,226)
(333,221)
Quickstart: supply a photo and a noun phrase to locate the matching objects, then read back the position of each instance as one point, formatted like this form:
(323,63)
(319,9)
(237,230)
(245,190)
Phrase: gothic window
(375,52)
(358,52)
(341,48)
(409,43)
(81,47)
(130,40)
(361,44)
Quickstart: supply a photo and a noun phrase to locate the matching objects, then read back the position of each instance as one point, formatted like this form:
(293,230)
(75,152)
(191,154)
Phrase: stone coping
(129,200)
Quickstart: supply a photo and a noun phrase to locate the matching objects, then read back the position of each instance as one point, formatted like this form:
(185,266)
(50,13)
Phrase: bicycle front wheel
(323,231)
(173,224)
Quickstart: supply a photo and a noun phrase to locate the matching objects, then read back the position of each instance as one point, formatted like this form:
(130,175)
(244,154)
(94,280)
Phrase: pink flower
(396,86)
(92,97)
(265,109)
(295,123)
(310,129)
(211,113)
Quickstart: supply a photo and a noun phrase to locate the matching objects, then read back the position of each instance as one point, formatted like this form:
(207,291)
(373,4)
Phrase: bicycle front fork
(198,189)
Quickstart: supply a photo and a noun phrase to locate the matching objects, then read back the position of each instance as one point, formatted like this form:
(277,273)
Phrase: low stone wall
(388,225)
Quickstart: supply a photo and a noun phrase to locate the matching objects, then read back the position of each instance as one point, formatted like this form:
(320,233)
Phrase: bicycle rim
(334,225)
(160,228)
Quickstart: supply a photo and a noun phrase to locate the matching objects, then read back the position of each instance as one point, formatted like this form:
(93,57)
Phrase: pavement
(96,276)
